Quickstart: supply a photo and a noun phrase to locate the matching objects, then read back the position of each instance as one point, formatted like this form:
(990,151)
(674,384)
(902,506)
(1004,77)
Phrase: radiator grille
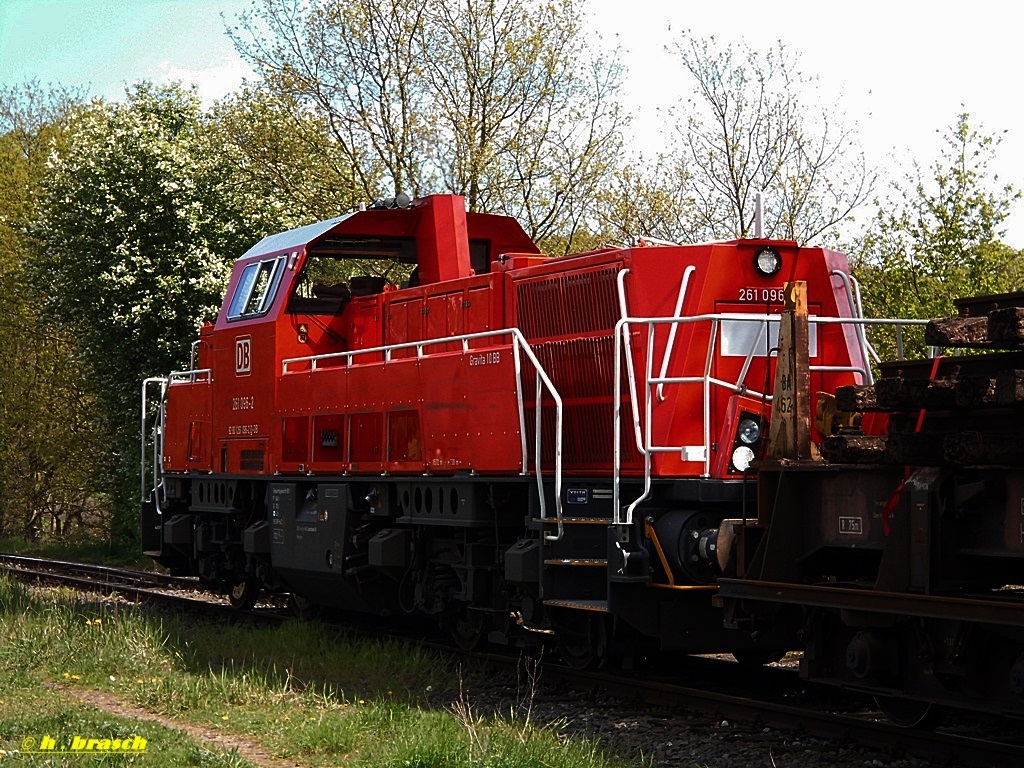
(588,437)
(252,460)
(569,304)
(570,319)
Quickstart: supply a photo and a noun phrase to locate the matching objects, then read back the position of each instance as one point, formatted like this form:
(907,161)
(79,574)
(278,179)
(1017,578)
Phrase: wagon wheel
(582,638)
(244,594)
(909,713)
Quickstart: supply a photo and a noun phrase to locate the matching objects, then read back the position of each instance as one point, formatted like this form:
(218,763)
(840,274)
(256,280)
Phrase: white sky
(901,70)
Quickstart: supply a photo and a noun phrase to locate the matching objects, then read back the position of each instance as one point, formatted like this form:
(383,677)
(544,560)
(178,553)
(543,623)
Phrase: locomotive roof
(293,238)
(435,232)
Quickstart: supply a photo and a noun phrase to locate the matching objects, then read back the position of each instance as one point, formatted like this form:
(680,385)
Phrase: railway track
(140,586)
(736,702)
(942,747)
(96,573)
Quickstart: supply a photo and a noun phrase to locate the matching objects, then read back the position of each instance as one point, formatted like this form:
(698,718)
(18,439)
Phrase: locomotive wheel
(908,713)
(578,655)
(244,594)
(466,630)
(581,637)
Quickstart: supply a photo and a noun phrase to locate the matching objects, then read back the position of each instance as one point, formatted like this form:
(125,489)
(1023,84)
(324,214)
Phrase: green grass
(304,690)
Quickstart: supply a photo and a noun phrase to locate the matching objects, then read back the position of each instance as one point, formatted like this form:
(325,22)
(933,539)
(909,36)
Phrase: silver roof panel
(293,238)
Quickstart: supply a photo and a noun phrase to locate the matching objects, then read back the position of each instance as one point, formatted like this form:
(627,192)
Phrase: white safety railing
(194,376)
(852,289)
(520,347)
(643,418)
(157,434)
(670,345)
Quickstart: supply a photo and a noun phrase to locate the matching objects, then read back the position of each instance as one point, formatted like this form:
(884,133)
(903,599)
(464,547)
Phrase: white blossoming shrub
(141,220)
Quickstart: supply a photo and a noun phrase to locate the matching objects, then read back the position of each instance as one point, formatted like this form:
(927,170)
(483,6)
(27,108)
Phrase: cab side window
(256,288)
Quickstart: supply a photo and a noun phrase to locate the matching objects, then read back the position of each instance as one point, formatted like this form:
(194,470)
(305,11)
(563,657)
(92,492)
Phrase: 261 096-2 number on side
(768,295)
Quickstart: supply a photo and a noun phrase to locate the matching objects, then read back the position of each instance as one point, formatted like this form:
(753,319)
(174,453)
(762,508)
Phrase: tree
(747,130)
(938,237)
(525,112)
(34,121)
(501,101)
(286,152)
(47,453)
(47,450)
(286,155)
(648,199)
(140,220)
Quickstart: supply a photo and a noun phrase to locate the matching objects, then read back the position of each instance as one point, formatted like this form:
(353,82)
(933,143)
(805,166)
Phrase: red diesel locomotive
(509,441)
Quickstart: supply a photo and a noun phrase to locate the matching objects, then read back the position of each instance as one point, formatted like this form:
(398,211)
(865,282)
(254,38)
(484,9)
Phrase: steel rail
(102,572)
(150,594)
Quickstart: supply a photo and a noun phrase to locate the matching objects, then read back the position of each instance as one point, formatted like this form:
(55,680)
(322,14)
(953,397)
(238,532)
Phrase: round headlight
(768,262)
(742,457)
(749,431)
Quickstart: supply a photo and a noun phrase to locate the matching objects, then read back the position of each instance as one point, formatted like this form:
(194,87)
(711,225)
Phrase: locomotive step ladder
(575,566)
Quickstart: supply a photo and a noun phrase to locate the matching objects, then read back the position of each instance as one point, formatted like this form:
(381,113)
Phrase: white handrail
(387,349)
(862,337)
(707,397)
(517,361)
(622,339)
(623,313)
(192,376)
(520,346)
(645,442)
(670,345)
(158,432)
(871,347)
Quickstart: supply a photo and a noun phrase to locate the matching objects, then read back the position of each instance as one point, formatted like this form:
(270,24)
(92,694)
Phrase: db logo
(243,355)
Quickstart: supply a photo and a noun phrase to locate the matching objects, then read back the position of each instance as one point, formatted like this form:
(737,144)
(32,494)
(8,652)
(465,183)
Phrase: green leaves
(284,157)
(46,445)
(141,217)
(936,238)
(127,234)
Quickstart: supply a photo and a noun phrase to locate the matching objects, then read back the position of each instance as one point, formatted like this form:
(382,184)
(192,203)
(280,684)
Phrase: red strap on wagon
(890,505)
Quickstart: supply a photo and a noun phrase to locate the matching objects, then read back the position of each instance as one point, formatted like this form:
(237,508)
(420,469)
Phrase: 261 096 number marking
(776,295)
